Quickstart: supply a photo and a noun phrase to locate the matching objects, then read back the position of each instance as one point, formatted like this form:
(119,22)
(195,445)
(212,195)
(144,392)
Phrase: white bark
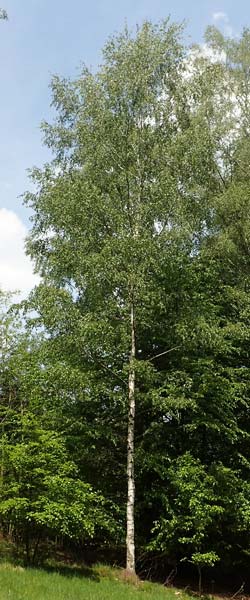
(130,540)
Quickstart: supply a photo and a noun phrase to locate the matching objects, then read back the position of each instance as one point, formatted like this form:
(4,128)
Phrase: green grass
(99,583)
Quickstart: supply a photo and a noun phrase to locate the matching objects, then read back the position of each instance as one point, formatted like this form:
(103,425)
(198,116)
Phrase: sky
(46,37)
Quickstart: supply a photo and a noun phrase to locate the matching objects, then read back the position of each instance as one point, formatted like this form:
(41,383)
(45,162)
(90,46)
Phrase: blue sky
(43,37)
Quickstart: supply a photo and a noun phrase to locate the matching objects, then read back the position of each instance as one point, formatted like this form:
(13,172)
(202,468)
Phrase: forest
(125,375)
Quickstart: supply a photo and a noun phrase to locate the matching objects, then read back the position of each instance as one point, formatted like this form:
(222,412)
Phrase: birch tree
(111,215)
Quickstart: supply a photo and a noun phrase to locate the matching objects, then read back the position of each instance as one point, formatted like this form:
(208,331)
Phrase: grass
(99,583)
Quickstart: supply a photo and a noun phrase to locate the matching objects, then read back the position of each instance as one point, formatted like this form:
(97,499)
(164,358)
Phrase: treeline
(125,375)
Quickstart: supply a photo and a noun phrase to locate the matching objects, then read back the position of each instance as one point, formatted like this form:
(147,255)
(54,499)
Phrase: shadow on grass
(15,556)
(71,571)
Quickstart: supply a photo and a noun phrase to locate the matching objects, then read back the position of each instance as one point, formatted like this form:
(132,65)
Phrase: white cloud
(16,271)
(222,17)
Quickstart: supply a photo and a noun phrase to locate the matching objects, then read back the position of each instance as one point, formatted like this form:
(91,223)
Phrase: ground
(99,583)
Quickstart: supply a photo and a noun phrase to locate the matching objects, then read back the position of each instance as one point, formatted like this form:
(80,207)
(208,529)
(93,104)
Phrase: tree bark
(200,580)
(2,459)
(130,540)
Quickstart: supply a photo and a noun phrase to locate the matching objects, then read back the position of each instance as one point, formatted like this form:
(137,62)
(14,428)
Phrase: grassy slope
(17,583)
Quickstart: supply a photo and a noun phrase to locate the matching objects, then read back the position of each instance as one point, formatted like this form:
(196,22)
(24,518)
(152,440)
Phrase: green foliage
(206,559)
(41,493)
(193,505)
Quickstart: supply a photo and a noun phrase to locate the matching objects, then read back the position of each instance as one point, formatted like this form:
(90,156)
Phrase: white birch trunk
(130,540)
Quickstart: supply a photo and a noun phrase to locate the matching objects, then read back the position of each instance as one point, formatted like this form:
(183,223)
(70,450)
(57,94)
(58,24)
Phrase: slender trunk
(27,545)
(36,548)
(130,540)
(2,459)
(200,580)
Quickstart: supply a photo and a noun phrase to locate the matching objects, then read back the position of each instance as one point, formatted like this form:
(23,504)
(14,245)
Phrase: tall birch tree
(113,215)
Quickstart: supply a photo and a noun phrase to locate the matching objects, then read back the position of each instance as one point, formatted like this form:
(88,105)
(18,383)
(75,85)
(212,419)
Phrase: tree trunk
(2,459)
(130,540)
(27,544)
(200,580)
(34,555)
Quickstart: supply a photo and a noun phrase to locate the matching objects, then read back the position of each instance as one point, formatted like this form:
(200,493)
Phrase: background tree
(206,396)
(41,493)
